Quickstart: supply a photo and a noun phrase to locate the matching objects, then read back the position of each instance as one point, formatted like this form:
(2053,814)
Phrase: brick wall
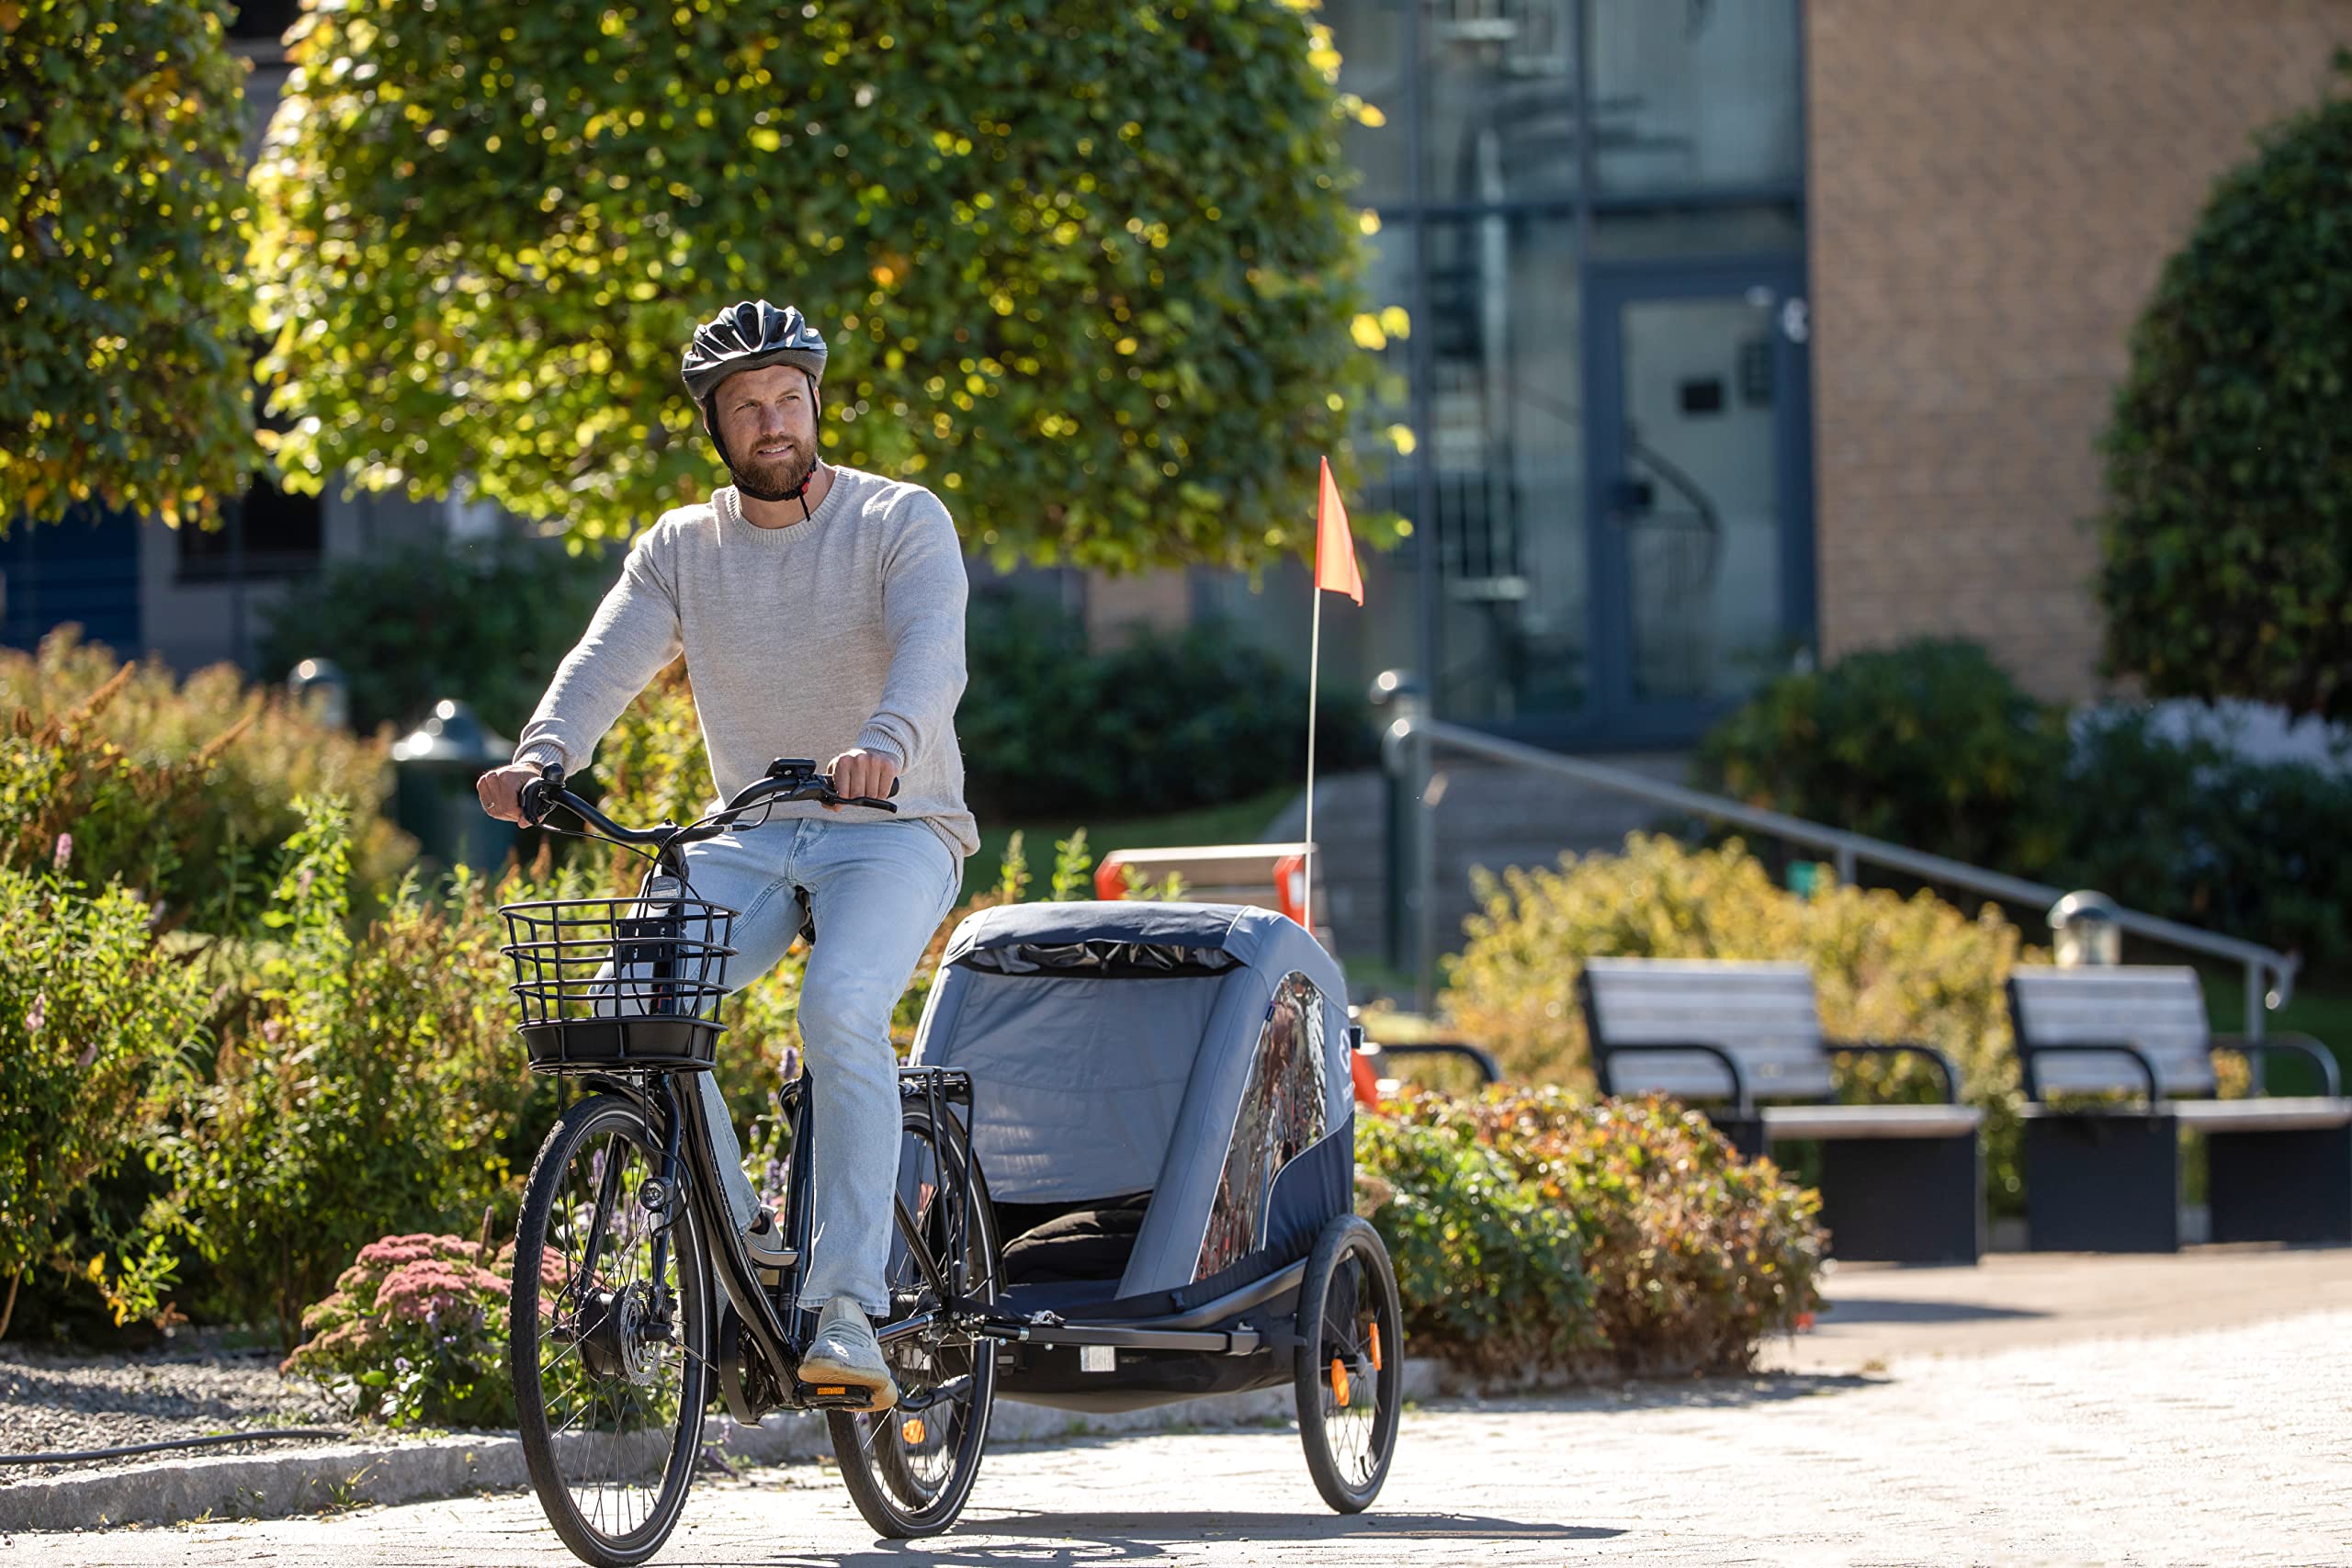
(1995,185)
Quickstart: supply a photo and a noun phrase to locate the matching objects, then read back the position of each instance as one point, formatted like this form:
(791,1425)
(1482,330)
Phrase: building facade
(1746,334)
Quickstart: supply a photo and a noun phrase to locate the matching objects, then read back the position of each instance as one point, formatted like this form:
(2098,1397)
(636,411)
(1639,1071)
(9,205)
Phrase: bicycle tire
(881,1463)
(1349,1335)
(606,1336)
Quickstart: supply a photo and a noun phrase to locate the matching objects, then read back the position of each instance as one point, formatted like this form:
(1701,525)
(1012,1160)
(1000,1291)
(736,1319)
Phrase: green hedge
(1169,721)
(485,623)
(1932,745)
(2226,540)
(1545,1232)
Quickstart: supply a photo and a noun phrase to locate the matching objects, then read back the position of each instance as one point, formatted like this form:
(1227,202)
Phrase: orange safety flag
(1335,547)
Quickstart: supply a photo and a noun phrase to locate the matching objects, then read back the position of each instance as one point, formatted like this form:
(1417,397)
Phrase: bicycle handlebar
(787,779)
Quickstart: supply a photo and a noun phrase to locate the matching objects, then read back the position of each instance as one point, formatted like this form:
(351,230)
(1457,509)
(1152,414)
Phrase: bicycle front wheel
(609,1336)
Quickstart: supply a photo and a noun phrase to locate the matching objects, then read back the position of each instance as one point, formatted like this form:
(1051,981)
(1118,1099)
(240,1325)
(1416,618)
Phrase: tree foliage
(121,226)
(1088,270)
(2228,531)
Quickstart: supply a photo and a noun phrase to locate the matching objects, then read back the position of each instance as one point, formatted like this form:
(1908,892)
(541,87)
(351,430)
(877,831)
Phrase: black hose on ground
(128,1449)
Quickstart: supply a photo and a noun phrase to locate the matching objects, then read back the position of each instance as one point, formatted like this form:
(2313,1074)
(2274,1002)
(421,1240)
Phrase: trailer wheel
(1349,1364)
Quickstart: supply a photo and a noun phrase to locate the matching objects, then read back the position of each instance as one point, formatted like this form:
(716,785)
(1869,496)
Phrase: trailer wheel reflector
(1340,1382)
(912,1430)
(1376,1346)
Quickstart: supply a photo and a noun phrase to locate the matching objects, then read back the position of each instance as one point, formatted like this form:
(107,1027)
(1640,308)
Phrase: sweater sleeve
(923,588)
(634,634)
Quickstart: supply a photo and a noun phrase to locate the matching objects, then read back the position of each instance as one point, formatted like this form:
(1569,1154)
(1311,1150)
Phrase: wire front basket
(619,984)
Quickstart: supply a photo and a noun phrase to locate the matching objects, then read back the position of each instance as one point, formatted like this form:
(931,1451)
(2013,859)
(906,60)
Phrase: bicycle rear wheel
(911,1470)
(609,1336)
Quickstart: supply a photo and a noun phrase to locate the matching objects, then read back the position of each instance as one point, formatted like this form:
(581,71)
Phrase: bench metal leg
(2280,1186)
(2103,1184)
(1903,1199)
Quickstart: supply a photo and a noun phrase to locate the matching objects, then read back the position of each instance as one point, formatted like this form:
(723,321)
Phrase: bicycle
(618,1343)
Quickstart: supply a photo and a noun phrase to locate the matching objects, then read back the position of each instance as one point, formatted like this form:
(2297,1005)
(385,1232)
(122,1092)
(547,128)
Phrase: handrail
(1411,732)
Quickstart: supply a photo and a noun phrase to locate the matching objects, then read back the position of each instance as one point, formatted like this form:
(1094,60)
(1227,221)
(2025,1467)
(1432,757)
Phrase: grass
(1234,822)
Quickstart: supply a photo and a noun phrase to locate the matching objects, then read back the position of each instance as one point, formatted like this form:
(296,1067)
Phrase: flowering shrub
(181,790)
(1884,967)
(1541,1231)
(415,1334)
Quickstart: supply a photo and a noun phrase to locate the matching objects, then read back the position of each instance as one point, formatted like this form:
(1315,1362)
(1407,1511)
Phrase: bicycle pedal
(835,1396)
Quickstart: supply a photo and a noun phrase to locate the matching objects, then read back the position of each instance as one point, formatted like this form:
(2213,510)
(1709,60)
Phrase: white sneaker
(843,1355)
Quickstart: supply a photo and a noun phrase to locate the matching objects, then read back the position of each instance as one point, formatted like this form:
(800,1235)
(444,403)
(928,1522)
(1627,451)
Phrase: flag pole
(1314,675)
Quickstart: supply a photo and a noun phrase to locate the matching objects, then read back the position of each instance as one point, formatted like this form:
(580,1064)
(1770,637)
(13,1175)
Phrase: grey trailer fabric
(2160,1010)
(1760,1014)
(1220,926)
(1076,1083)
(1080,1083)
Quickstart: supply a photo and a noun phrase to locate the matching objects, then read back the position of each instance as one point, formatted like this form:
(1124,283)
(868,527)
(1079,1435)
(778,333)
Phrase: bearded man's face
(767,428)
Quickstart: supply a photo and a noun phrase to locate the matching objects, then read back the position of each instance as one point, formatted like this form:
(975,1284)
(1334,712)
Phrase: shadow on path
(1662,1394)
(1079,1541)
(1867,1308)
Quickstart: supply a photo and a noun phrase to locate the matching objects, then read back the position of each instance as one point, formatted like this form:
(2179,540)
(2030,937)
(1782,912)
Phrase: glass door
(1699,488)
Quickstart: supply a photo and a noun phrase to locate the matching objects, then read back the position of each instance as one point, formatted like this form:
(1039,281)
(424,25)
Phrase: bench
(1743,1042)
(2106,1177)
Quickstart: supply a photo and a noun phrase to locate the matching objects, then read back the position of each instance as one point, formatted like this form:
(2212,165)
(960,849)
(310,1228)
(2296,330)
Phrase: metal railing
(1411,740)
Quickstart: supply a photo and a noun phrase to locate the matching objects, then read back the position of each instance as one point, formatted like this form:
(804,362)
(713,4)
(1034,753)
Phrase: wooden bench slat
(1871,1121)
(2160,1010)
(1762,1014)
(2281,1115)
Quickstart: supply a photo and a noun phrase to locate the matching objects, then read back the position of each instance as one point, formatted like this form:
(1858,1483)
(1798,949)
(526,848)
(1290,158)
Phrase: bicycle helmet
(746,336)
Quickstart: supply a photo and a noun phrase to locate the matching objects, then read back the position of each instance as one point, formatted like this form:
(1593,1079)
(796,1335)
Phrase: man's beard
(772,479)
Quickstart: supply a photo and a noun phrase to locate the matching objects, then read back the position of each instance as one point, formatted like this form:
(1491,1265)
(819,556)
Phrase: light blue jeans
(879,891)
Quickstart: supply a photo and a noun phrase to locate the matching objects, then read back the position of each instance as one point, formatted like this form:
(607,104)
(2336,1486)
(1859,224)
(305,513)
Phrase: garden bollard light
(2088,927)
(434,768)
(320,686)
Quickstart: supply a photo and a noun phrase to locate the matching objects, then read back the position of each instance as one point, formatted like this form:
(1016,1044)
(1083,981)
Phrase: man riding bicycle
(818,607)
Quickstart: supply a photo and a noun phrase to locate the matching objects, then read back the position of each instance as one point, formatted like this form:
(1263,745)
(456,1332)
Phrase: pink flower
(89,1054)
(434,1285)
(64,851)
(35,1015)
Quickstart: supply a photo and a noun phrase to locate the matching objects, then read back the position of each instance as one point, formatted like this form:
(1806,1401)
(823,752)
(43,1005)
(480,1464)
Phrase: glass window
(1374,37)
(1668,234)
(1693,95)
(1506,448)
(1500,95)
(1697,497)
(284,536)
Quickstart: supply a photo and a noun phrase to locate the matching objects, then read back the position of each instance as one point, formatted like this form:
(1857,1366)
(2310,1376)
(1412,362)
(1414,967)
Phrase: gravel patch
(63,1403)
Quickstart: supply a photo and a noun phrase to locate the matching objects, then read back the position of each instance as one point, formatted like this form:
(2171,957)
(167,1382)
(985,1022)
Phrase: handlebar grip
(538,796)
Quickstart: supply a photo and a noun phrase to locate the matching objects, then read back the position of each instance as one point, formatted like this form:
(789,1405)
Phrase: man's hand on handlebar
(501,790)
(860,774)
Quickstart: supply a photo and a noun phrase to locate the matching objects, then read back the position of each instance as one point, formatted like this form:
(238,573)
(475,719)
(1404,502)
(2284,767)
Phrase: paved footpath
(2218,1446)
